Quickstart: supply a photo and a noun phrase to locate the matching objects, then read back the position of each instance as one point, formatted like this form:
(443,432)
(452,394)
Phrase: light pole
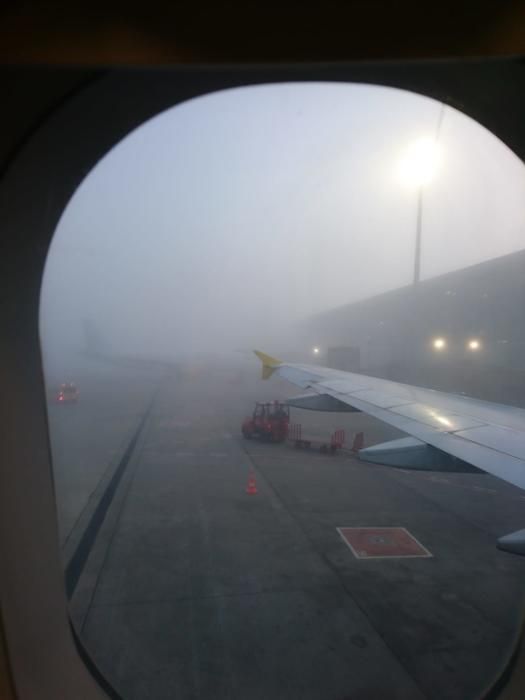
(417,169)
(417,251)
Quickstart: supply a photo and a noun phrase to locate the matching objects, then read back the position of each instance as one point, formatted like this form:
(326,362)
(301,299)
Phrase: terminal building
(461,332)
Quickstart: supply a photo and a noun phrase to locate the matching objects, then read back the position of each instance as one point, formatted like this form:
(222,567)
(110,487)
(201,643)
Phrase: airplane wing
(487,435)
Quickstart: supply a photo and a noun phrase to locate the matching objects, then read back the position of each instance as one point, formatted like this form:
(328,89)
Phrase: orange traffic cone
(251,489)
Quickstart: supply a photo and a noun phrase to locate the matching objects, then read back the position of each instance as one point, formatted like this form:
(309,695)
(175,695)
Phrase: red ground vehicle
(68,393)
(269,422)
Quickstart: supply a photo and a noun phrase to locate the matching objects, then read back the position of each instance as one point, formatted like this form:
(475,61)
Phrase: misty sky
(223,220)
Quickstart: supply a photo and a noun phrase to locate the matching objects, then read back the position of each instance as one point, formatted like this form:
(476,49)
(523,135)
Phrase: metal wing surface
(487,435)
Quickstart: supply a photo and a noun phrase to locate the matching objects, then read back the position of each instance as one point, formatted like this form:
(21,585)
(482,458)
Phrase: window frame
(44,165)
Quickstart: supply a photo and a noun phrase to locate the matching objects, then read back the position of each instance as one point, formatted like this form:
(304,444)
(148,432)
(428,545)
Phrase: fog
(221,223)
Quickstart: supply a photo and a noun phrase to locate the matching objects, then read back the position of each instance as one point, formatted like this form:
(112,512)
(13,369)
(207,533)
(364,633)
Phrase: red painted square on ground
(382,542)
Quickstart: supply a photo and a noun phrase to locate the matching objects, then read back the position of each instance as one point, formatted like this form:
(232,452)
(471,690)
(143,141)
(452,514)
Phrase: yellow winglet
(269,364)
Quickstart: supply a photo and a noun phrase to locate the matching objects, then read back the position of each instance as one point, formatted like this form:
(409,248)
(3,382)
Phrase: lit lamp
(439,344)
(416,169)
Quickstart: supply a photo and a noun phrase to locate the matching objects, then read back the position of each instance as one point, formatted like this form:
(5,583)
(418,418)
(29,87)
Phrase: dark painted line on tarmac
(78,560)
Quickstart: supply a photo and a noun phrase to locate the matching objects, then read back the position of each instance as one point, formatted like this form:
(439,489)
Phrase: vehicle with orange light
(269,421)
(68,393)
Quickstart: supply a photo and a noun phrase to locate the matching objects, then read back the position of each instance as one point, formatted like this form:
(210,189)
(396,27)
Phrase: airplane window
(328,531)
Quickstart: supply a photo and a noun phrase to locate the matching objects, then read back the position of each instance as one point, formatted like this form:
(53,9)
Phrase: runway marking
(483,488)
(382,543)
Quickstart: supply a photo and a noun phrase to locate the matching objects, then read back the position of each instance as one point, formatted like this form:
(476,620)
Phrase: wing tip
(269,363)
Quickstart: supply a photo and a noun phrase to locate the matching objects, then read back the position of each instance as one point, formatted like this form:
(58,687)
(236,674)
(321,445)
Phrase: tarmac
(193,588)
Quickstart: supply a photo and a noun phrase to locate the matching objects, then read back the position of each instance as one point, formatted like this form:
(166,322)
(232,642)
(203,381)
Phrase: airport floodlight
(473,344)
(416,169)
(439,344)
(420,162)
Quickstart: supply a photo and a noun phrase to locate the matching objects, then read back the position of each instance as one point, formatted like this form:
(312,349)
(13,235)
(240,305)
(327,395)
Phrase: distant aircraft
(444,427)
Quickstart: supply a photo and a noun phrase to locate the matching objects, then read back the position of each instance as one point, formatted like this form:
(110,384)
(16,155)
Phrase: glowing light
(474,345)
(419,164)
(439,343)
(441,419)
(316,351)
